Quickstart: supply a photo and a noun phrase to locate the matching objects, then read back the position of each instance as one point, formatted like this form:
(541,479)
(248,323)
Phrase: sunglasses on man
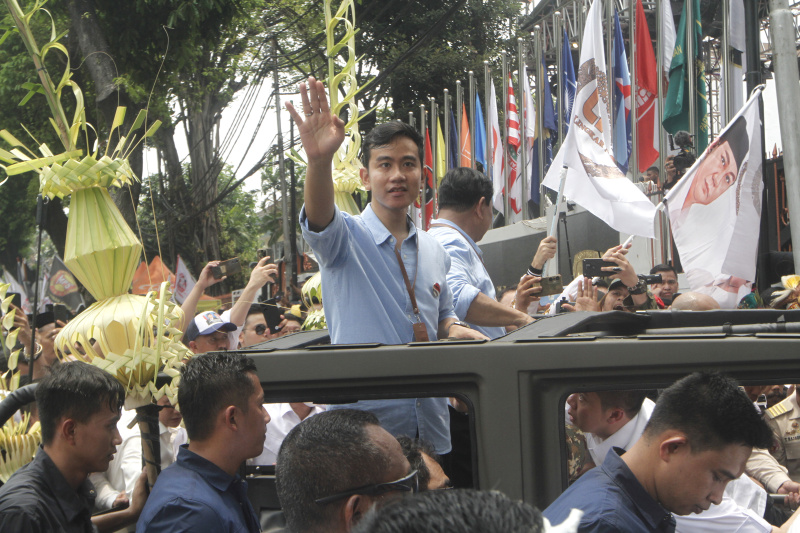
(409,483)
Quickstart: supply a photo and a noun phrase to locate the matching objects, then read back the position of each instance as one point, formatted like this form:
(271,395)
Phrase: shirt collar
(461,231)
(621,475)
(214,475)
(73,503)
(379,232)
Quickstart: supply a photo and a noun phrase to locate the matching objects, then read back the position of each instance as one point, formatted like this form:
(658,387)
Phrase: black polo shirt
(37,498)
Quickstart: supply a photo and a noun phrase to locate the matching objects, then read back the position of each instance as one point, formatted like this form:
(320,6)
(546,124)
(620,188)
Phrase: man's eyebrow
(727,474)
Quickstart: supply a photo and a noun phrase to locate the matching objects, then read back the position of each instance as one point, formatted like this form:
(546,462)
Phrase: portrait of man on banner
(715,211)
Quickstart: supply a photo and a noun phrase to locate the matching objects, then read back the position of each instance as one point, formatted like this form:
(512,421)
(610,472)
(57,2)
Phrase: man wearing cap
(207,332)
(262,274)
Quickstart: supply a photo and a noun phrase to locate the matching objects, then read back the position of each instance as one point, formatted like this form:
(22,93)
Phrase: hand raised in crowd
(23,326)
(206,278)
(263,273)
(546,251)
(527,292)
(627,274)
(321,132)
(587,298)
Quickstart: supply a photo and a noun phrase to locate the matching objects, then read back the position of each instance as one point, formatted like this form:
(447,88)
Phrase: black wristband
(534,271)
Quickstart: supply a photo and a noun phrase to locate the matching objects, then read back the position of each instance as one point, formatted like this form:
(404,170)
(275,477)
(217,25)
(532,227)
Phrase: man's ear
(364,173)
(193,346)
(229,416)
(673,445)
(354,509)
(66,429)
(616,415)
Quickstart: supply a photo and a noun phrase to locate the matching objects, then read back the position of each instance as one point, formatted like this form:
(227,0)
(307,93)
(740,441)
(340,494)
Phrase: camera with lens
(685,158)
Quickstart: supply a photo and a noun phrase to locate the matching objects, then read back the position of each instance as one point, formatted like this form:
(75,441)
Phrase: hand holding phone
(226,268)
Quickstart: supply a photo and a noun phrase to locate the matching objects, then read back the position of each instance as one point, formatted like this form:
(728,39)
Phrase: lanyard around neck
(409,285)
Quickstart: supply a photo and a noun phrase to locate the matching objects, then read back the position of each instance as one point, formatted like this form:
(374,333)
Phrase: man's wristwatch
(458,323)
(639,288)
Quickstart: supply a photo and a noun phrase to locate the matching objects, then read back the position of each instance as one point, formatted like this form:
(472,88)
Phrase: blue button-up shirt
(612,500)
(467,276)
(366,300)
(194,494)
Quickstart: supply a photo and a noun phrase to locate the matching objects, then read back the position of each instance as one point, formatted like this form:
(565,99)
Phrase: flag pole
(557,25)
(459,105)
(634,159)
(540,80)
(610,62)
(522,167)
(423,200)
(505,137)
(472,120)
(434,155)
(666,246)
(690,68)
(548,269)
(487,121)
(447,121)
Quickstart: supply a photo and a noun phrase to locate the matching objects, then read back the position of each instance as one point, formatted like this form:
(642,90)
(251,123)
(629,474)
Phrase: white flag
(593,180)
(17,287)
(184,282)
(667,38)
(715,210)
(498,181)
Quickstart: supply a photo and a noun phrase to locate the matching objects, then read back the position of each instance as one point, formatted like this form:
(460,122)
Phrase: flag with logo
(62,288)
(715,210)
(184,282)
(498,180)
(568,83)
(647,127)
(593,179)
(676,108)
(480,135)
(514,144)
(465,142)
(622,100)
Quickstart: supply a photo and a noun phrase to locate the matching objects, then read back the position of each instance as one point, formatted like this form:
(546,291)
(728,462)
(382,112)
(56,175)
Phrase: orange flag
(465,141)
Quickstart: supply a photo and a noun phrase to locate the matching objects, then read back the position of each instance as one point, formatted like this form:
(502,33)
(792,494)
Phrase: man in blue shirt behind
(221,401)
(699,438)
(382,279)
(465,215)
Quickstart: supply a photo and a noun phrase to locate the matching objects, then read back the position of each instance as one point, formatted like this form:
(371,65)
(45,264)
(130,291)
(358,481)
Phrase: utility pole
(292,210)
(288,258)
(781,26)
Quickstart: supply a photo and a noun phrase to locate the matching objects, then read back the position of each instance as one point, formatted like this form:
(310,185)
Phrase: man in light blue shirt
(465,215)
(382,280)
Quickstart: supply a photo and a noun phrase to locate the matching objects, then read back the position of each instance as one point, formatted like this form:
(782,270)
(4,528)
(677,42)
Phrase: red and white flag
(184,282)
(593,179)
(514,145)
(497,151)
(647,93)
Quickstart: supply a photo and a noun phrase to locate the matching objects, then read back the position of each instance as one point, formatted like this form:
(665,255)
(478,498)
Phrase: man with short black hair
(255,329)
(79,406)
(333,467)
(221,400)
(465,215)
(699,437)
(669,286)
(455,511)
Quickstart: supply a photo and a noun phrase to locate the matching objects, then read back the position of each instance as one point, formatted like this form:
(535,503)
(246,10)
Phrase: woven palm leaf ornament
(132,337)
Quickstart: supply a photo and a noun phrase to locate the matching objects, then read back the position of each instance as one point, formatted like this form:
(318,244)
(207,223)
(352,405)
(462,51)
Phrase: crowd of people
(696,456)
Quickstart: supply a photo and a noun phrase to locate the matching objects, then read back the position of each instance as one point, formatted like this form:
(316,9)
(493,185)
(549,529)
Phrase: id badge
(420,332)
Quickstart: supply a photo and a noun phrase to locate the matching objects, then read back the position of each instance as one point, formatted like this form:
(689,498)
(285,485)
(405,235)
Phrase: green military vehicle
(516,386)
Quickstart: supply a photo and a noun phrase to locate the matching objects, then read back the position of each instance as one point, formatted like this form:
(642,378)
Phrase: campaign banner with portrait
(184,282)
(593,179)
(715,210)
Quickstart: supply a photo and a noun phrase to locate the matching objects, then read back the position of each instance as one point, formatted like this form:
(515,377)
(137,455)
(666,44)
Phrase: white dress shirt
(282,420)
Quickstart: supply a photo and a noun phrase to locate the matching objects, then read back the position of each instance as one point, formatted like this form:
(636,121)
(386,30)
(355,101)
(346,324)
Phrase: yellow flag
(441,154)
